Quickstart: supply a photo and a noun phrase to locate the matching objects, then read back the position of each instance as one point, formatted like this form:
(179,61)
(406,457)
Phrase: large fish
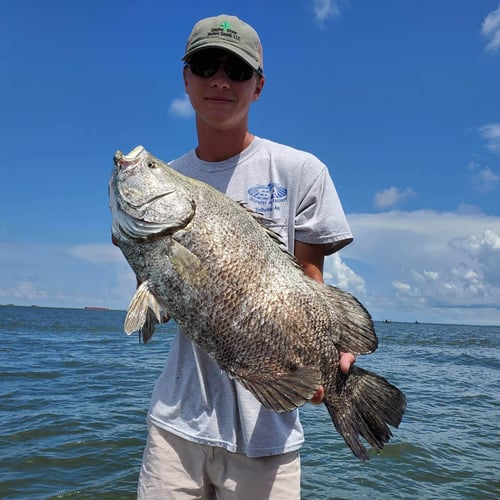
(209,263)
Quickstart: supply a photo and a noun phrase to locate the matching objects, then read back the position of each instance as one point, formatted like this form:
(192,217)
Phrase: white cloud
(337,273)
(491,134)
(98,254)
(483,178)
(325,9)
(467,209)
(491,30)
(487,179)
(428,265)
(181,107)
(23,291)
(58,275)
(391,197)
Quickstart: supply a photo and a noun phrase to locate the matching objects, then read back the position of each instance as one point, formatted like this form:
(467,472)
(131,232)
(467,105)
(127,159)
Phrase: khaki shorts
(174,468)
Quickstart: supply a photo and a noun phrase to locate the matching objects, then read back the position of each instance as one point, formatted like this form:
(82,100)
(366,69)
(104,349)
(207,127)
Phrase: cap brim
(224,46)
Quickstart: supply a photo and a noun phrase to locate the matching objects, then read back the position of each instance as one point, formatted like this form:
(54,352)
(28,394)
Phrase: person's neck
(220,145)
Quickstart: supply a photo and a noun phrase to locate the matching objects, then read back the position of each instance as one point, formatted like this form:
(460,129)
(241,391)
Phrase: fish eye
(151,164)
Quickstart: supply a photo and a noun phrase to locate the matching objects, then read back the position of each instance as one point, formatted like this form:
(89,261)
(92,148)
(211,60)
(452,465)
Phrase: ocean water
(74,391)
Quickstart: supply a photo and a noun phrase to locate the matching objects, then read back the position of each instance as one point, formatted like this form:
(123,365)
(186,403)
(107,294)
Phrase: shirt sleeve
(320,218)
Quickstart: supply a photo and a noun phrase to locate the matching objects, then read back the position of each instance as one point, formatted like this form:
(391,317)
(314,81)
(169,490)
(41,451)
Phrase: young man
(208,436)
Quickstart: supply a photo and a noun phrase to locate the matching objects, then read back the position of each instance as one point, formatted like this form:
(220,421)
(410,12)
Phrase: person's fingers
(318,396)
(346,360)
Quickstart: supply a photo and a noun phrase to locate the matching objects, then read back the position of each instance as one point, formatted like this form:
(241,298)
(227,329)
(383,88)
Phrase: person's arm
(312,258)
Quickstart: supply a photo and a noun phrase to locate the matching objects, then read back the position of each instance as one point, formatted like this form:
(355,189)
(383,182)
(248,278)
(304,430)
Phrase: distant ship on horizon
(96,308)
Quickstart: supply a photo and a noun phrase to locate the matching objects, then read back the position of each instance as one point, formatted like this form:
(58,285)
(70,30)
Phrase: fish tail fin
(364,404)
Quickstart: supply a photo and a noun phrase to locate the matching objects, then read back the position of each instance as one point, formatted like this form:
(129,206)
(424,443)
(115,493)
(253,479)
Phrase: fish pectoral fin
(187,265)
(286,392)
(144,312)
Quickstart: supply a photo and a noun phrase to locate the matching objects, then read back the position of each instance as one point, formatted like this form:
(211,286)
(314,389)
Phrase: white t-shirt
(193,398)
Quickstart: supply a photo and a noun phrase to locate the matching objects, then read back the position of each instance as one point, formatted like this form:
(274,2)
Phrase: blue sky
(401,99)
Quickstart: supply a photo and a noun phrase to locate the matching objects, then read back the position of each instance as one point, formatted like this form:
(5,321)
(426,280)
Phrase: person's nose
(220,79)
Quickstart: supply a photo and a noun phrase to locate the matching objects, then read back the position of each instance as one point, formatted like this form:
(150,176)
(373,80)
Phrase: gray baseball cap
(228,33)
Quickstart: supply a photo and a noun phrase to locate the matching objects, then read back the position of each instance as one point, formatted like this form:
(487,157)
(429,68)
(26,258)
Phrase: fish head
(147,197)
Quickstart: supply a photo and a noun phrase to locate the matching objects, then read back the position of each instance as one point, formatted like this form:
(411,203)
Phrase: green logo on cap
(225,26)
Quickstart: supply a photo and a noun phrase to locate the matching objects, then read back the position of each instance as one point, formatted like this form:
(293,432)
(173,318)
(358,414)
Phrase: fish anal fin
(286,392)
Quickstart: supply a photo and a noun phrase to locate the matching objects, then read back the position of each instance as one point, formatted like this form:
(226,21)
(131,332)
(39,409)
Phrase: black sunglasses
(207,64)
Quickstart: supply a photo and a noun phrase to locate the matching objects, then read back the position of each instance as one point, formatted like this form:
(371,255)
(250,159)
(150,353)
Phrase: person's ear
(184,77)
(259,87)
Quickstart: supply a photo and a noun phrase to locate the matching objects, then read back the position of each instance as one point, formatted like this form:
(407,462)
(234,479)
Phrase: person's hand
(346,361)
(317,399)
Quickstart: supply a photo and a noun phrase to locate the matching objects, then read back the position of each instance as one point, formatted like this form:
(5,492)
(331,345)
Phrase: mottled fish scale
(209,263)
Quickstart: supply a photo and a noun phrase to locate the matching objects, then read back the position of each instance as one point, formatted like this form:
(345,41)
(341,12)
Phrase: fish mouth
(122,160)
(125,164)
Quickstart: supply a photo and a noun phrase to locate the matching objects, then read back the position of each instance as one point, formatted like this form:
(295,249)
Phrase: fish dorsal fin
(286,392)
(143,313)
(275,237)
(354,330)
